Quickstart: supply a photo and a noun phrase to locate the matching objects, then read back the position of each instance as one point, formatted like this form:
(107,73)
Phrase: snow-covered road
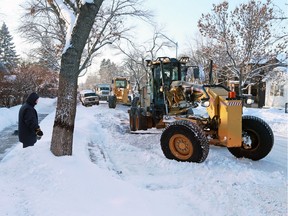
(222,180)
(114,172)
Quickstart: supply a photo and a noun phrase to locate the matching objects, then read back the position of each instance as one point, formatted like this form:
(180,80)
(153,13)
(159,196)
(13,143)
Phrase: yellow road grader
(120,92)
(168,101)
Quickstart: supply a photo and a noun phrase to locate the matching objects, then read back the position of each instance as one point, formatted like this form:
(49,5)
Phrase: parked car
(88,98)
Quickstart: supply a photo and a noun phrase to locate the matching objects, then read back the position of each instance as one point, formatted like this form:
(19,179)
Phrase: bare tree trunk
(62,137)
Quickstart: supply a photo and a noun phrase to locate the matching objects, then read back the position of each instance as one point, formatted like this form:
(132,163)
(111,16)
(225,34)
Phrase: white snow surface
(113,172)
(70,21)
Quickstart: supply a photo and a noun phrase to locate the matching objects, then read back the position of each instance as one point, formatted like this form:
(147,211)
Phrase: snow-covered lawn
(113,172)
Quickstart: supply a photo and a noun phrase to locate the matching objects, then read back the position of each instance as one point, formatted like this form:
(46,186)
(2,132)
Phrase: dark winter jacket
(28,121)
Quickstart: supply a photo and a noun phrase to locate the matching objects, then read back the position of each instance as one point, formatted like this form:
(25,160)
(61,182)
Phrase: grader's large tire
(184,141)
(137,115)
(257,139)
(141,120)
(112,101)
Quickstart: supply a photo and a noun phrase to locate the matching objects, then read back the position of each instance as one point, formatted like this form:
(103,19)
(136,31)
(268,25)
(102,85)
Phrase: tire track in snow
(140,161)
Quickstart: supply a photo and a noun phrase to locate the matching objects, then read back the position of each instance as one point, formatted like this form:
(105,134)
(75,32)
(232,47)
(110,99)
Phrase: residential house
(276,87)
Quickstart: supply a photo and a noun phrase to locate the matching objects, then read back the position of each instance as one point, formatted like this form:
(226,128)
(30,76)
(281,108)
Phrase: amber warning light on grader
(231,95)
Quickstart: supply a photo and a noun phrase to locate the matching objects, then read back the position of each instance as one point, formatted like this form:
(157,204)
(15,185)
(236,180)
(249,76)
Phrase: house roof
(279,58)
(281,69)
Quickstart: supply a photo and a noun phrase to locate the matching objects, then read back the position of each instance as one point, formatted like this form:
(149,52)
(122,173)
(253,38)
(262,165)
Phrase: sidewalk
(9,139)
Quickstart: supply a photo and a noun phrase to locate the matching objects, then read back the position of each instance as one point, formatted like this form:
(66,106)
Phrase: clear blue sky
(178,18)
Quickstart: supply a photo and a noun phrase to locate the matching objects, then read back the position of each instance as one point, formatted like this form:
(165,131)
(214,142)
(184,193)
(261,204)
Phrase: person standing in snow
(28,129)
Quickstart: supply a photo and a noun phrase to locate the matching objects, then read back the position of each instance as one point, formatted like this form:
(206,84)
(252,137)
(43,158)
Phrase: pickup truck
(88,98)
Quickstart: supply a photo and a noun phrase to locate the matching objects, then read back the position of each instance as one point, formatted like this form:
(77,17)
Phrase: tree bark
(62,137)
(63,129)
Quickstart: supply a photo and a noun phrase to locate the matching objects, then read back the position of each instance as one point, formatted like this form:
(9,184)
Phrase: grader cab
(148,109)
(187,136)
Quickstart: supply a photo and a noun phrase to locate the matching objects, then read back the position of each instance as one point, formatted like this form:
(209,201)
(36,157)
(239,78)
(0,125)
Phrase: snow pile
(275,117)
(8,116)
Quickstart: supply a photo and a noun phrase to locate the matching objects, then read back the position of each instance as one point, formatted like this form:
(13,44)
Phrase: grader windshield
(121,83)
(164,71)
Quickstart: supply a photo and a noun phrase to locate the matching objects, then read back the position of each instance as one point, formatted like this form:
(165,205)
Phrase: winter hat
(31,99)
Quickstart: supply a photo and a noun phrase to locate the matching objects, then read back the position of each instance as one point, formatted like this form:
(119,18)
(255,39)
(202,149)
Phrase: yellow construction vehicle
(120,92)
(187,136)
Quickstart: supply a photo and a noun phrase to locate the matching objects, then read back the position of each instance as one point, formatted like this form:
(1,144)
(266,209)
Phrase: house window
(277,90)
